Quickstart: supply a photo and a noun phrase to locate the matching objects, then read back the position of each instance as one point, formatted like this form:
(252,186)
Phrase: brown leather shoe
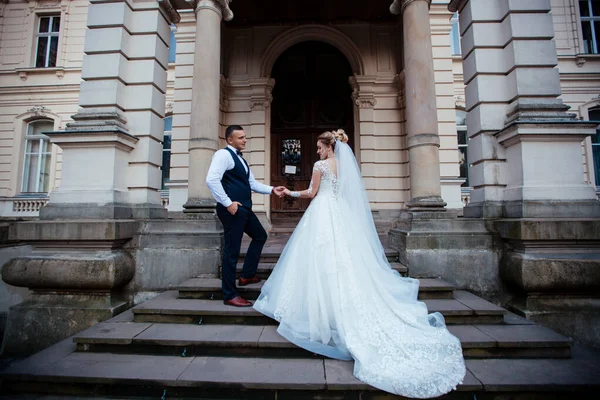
(248,281)
(238,301)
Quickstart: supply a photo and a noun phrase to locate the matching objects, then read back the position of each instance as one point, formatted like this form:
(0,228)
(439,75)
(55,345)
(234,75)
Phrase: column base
(46,319)
(429,203)
(200,209)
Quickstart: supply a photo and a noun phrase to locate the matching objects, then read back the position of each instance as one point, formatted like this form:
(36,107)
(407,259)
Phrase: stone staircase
(185,343)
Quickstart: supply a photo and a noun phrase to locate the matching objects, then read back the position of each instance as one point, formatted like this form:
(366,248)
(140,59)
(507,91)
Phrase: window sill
(24,72)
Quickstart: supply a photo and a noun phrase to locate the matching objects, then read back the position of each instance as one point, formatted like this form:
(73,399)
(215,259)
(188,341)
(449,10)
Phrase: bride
(333,291)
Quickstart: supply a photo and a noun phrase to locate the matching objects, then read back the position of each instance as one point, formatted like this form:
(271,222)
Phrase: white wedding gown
(334,293)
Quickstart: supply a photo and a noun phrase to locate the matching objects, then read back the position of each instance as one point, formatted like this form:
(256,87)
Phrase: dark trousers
(234,226)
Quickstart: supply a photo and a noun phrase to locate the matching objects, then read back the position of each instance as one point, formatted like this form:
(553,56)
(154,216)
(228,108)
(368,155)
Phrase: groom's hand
(279,190)
(233,207)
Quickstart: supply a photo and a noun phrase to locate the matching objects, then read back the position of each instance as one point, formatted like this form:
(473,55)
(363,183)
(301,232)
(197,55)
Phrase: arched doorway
(311,95)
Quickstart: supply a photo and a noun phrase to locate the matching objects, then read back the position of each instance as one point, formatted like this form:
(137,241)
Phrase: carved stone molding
(261,96)
(398,6)
(221,6)
(38,111)
(580,61)
(223,97)
(362,91)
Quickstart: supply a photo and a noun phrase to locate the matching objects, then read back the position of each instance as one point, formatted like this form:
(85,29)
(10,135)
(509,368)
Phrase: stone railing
(29,205)
(23,205)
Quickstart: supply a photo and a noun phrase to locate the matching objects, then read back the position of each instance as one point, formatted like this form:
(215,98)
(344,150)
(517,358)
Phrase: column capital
(398,6)
(221,7)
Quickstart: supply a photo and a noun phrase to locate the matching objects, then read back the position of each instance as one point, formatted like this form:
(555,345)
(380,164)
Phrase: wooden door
(311,95)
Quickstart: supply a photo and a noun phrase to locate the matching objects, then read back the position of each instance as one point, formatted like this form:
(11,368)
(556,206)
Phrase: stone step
(273,256)
(265,268)
(61,371)
(207,288)
(478,341)
(168,308)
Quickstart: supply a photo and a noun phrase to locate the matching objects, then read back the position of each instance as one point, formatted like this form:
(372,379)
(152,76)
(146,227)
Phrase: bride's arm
(312,190)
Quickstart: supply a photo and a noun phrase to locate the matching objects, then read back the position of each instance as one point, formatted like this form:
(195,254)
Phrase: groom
(231,183)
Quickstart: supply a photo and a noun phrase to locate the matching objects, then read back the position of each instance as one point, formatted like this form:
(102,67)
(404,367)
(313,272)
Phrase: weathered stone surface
(549,229)
(200,335)
(89,270)
(75,230)
(534,375)
(553,272)
(111,333)
(255,373)
(46,319)
(172,251)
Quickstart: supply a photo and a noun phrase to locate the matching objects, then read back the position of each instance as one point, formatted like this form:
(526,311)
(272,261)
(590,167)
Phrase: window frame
(590,19)
(168,133)
(455,45)
(595,162)
(41,157)
(50,34)
(463,128)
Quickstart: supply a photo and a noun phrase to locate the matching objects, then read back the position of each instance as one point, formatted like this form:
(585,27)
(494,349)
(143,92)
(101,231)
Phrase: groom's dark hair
(232,128)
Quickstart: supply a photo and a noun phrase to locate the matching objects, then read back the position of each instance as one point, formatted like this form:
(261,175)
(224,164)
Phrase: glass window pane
(596,8)
(587,36)
(168,121)
(40,58)
(53,51)
(172,47)
(464,165)
(33,146)
(167,142)
(45,174)
(166,168)
(596,37)
(462,137)
(30,173)
(55,24)
(596,153)
(44,24)
(584,9)
(38,127)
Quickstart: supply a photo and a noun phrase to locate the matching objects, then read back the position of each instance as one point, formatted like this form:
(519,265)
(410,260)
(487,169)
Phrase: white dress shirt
(222,162)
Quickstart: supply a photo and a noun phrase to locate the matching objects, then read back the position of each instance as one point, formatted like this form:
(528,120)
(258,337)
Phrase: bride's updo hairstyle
(329,138)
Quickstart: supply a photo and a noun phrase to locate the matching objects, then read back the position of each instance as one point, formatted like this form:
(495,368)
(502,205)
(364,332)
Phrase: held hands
(233,207)
(279,191)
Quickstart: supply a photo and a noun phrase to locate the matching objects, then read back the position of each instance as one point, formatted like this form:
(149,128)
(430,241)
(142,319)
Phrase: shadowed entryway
(311,95)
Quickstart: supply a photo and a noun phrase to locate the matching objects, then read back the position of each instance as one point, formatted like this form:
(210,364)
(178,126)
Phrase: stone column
(204,135)
(527,151)
(421,106)
(78,271)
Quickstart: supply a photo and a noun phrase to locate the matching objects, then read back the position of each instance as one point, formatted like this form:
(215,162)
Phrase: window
(595,116)
(166,160)
(455,35)
(172,45)
(47,41)
(36,166)
(590,25)
(463,161)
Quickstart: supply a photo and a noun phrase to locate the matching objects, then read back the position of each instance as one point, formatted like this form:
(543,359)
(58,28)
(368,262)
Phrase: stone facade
(106,85)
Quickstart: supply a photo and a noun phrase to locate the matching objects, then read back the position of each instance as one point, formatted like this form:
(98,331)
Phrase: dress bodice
(329,184)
